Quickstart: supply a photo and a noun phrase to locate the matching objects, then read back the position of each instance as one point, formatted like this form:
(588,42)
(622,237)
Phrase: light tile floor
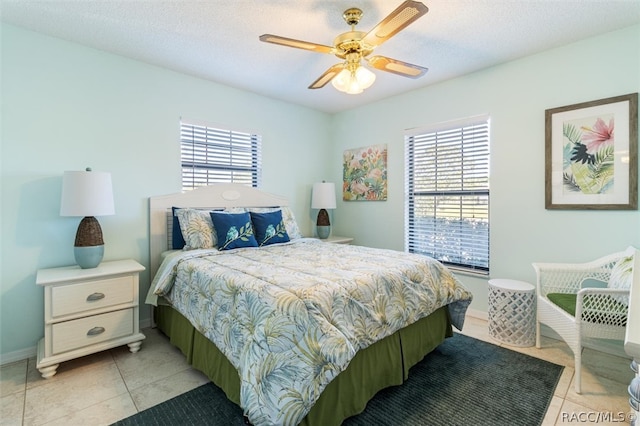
(111,385)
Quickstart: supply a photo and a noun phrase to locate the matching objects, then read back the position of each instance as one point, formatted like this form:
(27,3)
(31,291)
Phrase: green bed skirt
(383,364)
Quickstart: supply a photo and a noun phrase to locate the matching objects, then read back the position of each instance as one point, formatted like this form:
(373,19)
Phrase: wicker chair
(586,300)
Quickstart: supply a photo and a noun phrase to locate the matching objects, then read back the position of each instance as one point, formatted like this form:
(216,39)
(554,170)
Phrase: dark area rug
(464,381)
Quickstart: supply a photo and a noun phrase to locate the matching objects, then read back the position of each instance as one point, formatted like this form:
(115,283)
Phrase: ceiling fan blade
(397,20)
(327,76)
(290,42)
(395,66)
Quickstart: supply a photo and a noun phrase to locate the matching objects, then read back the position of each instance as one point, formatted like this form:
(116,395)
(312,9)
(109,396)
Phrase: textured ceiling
(218,39)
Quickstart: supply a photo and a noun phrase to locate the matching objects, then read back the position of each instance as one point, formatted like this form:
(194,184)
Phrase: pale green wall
(515,95)
(65,107)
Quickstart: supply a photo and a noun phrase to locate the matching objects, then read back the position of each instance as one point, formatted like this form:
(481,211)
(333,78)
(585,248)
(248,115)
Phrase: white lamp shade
(353,82)
(365,77)
(86,193)
(341,81)
(323,196)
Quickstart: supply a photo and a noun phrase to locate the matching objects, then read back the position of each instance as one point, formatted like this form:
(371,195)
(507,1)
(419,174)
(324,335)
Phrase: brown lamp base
(89,233)
(89,246)
(323,226)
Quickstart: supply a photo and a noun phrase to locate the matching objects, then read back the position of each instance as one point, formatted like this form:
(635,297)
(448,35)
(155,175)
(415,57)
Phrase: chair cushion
(616,314)
(565,301)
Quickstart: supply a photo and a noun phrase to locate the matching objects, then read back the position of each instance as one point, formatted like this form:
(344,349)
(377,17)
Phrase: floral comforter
(291,316)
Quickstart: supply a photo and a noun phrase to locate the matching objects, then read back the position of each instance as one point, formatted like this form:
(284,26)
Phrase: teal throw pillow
(269,228)
(234,230)
(177,240)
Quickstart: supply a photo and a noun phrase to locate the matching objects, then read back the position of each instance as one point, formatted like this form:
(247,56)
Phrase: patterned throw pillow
(622,273)
(269,228)
(290,223)
(197,229)
(234,230)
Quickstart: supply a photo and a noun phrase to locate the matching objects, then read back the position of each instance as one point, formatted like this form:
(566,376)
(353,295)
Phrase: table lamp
(88,194)
(323,197)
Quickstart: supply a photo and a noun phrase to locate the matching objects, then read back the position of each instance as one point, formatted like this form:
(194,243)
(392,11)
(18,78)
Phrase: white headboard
(219,196)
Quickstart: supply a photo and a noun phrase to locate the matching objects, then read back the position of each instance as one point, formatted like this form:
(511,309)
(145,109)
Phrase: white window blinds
(212,155)
(447,184)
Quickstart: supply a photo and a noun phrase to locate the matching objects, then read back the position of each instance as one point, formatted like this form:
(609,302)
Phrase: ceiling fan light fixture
(354,86)
(353,46)
(365,77)
(353,82)
(341,81)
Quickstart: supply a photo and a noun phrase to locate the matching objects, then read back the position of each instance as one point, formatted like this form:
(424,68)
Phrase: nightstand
(335,239)
(87,311)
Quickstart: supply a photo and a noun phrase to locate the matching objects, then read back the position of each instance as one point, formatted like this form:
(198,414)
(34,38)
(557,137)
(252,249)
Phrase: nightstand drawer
(75,334)
(74,298)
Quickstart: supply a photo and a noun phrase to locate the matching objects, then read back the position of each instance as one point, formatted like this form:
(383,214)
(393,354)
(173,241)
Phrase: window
(447,183)
(213,155)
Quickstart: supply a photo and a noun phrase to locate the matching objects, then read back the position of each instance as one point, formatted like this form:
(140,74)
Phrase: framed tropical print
(591,155)
(364,172)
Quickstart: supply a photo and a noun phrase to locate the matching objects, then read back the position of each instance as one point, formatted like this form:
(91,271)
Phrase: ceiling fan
(353,46)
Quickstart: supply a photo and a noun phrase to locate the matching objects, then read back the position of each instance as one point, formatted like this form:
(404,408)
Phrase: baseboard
(145,323)
(27,353)
(20,355)
(611,347)
(477,314)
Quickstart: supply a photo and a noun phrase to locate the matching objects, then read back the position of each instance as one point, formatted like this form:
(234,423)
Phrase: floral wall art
(365,173)
(591,155)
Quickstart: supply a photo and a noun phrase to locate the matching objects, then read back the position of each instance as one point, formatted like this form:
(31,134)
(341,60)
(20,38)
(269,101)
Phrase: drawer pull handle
(95,331)
(95,296)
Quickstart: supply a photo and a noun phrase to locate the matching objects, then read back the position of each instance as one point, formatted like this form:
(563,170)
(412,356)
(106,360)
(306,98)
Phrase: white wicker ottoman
(512,314)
